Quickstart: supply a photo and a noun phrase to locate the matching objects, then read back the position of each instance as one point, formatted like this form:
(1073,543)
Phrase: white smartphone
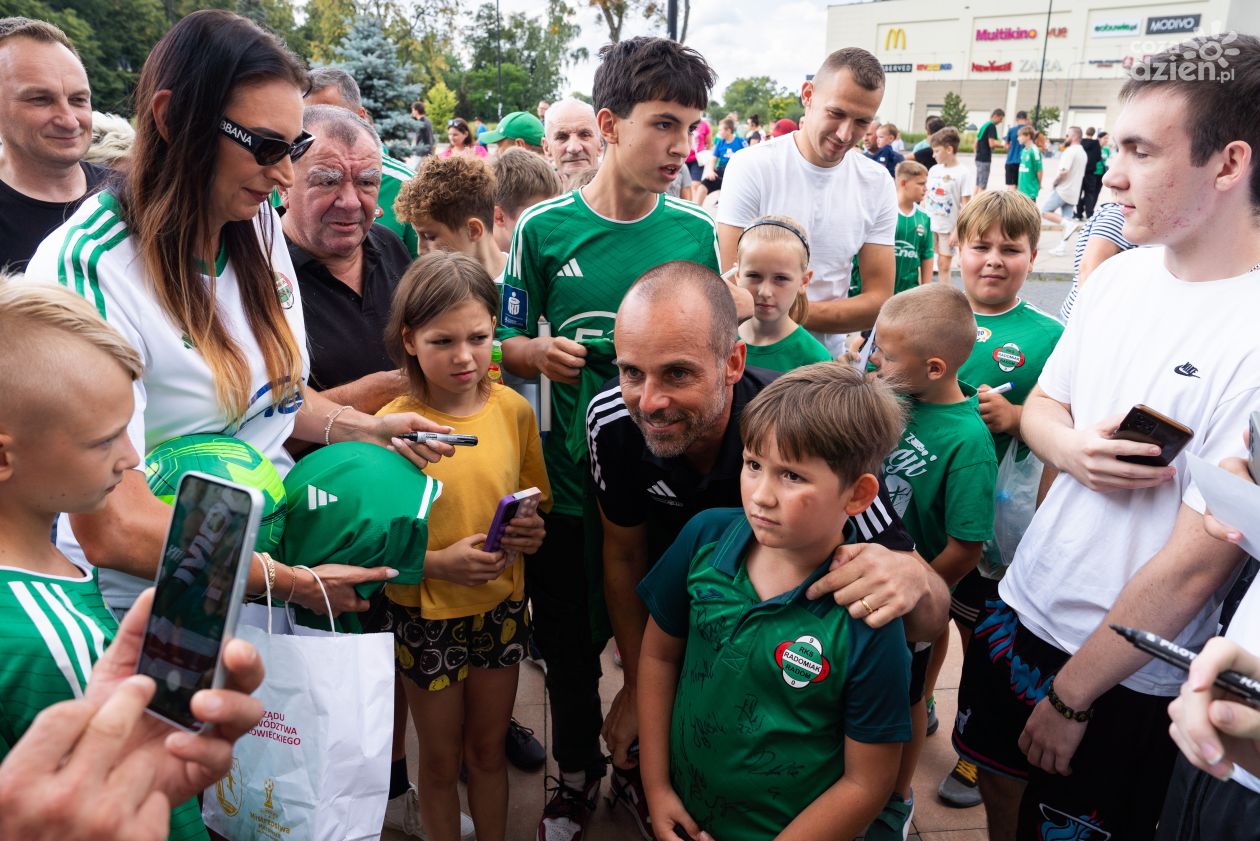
(200,586)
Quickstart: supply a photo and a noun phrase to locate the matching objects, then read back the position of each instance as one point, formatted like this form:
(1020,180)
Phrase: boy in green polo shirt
(1029,164)
(941,474)
(913,239)
(762,712)
(997,238)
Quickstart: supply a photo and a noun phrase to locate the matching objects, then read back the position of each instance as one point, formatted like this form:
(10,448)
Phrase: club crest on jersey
(802,661)
(1009,357)
(983,334)
(920,230)
(284,291)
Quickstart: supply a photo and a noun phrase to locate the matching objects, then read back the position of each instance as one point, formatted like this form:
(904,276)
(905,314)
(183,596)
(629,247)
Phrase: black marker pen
(1248,688)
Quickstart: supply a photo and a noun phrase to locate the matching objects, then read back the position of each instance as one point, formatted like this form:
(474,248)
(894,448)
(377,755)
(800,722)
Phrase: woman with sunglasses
(187,259)
(462,140)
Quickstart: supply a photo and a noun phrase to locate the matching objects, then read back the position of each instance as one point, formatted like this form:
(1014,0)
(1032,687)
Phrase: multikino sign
(1017,33)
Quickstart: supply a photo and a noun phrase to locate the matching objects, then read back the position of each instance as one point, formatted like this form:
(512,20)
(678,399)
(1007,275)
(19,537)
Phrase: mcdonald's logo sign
(895,39)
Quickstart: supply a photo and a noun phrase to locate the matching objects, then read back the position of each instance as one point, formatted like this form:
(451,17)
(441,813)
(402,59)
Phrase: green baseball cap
(519,125)
(362,505)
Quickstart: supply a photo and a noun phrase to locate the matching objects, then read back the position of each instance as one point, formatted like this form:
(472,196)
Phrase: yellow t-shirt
(507,458)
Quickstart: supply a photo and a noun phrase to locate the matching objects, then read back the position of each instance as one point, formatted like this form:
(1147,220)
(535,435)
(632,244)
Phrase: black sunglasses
(266,150)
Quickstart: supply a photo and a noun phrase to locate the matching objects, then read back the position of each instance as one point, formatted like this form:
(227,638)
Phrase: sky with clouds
(782,39)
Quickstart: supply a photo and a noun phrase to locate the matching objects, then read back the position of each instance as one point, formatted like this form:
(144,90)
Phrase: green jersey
(572,267)
(1011,348)
(53,629)
(942,474)
(1100,168)
(395,173)
(912,245)
(792,351)
(769,689)
(1030,171)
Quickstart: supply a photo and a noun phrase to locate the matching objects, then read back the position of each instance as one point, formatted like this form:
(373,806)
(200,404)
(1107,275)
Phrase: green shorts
(435,653)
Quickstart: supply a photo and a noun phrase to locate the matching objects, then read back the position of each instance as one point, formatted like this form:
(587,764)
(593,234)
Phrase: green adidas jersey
(52,630)
(792,351)
(1012,347)
(572,267)
(394,173)
(911,246)
(1029,170)
(769,689)
(942,474)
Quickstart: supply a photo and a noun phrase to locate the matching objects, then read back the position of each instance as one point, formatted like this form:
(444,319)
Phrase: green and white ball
(227,458)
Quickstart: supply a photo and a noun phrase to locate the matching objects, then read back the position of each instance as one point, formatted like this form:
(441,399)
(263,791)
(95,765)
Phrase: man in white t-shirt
(1059,206)
(1066,720)
(846,202)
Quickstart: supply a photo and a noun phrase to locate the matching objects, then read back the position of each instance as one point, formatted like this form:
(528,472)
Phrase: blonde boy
(521,180)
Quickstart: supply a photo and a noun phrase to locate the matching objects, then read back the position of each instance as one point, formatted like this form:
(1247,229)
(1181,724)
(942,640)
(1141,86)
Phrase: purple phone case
(503,514)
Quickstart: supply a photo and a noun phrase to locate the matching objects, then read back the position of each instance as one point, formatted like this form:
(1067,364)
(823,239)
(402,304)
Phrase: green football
(227,458)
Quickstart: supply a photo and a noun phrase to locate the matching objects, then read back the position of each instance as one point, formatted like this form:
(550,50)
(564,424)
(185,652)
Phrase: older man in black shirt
(347,266)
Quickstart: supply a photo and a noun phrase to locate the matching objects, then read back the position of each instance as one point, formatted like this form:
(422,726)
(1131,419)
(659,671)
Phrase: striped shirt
(1108,224)
(53,629)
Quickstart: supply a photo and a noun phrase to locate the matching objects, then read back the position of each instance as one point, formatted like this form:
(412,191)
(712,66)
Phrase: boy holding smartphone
(1065,718)
(58,455)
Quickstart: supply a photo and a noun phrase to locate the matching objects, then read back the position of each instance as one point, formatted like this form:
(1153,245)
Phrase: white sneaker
(1059,250)
(403,813)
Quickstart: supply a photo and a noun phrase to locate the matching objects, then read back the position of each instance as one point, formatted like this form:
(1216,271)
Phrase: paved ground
(933,820)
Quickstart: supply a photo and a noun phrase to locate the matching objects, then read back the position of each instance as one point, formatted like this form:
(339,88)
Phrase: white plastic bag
(317,766)
(1015,504)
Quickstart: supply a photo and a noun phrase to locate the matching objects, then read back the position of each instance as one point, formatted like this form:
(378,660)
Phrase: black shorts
(918,669)
(712,184)
(969,597)
(1012,174)
(1121,770)
(1200,807)
(437,653)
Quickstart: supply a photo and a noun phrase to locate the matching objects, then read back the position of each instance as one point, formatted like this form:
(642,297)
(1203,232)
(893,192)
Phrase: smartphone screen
(200,584)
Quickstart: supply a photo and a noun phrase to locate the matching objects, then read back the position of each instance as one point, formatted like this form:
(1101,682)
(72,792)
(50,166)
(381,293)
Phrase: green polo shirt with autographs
(769,689)
(942,474)
(1011,348)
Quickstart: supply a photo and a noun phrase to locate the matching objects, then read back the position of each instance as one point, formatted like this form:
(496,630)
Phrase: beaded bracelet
(1063,709)
(332,416)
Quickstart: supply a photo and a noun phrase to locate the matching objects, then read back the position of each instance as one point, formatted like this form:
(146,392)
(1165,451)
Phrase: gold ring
(865,604)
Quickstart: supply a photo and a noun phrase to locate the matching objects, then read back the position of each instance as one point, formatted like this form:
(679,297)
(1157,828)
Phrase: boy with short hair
(57,455)
(941,476)
(450,203)
(745,683)
(949,186)
(572,260)
(997,238)
(913,244)
(521,180)
(885,155)
(1029,163)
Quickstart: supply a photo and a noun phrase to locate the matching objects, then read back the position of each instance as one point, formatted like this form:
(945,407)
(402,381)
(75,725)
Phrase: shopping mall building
(991,51)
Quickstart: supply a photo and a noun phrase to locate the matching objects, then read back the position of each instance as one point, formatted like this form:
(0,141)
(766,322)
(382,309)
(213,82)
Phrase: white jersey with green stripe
(53,629)
(94,255)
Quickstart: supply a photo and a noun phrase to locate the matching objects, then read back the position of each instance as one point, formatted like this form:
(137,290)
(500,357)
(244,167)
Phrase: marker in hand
(1002,389)
(1236,683)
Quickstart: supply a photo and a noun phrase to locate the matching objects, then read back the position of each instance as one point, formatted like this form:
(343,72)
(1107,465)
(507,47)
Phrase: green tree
(785,106)
(369,56)
(439,105)
(749,95)
(614,14)
(533,52)
(1048,116)
(954,111)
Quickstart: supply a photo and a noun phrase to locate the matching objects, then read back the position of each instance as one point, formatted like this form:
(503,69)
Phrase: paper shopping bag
(317,766)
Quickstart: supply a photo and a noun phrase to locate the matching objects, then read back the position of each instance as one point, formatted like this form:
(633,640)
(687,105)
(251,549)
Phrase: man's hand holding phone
(1091,456)
(525,533)
(184,763)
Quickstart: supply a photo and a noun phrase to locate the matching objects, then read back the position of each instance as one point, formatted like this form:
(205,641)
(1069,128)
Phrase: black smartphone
(1147,426)
(1253,447)
(200,585)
